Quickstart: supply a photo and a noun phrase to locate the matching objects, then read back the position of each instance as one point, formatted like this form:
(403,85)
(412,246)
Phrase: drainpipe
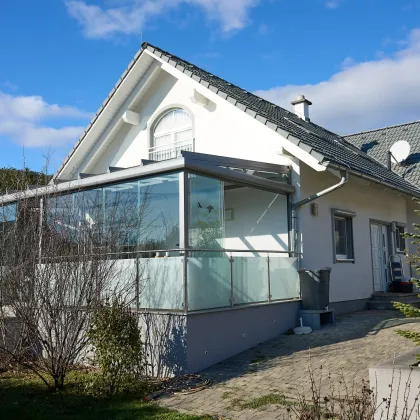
(295,206)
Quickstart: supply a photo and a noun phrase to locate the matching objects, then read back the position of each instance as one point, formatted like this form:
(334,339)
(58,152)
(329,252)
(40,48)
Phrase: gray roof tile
(320,141)
(376,143)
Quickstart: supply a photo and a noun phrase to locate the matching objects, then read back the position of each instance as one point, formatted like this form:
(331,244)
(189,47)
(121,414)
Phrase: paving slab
(281,366)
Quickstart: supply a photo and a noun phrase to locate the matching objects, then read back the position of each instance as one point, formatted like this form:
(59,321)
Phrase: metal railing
(170,151)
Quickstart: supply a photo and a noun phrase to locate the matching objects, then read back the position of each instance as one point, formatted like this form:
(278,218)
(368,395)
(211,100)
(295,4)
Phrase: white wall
(260,220)
(220,129)
(349,281)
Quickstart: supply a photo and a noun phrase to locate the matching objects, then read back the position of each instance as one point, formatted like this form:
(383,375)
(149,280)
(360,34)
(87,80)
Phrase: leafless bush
(61,256)
(346,400)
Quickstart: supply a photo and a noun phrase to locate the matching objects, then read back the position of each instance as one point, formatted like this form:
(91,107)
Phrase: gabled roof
(327,147)
(376,143)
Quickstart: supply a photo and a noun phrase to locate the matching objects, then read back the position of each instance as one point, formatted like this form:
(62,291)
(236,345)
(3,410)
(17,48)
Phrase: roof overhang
(377,181)
(208,165)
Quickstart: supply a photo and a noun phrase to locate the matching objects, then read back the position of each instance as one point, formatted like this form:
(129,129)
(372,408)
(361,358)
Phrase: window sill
(344,260)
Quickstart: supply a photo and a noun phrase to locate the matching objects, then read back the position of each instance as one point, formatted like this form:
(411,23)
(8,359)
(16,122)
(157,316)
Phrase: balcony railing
(170,151)
(203,279)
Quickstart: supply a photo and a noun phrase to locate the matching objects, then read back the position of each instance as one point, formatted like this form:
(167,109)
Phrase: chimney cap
(301,99)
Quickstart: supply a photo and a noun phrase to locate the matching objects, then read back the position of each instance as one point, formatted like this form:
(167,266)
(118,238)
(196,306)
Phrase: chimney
(301,107)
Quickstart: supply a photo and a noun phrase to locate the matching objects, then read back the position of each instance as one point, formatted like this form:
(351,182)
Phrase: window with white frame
(399,238)
(174,127)
(343,235)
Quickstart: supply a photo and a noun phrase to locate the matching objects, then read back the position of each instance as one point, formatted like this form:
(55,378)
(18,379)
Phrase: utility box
(315,288)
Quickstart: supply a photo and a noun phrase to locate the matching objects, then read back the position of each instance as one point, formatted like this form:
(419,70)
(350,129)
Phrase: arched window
(174,127)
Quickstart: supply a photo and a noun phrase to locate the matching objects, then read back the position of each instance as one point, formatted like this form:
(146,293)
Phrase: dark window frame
(399,230)
(347,217)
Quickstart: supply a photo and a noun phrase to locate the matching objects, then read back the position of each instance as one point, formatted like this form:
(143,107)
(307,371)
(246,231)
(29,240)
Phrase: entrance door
(379,240)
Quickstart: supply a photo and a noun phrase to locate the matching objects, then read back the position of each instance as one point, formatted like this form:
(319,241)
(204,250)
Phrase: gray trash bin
(315,288)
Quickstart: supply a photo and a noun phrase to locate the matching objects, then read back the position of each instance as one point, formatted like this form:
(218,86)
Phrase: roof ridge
(317,141)
(296,121)
(146,44)
(382,128)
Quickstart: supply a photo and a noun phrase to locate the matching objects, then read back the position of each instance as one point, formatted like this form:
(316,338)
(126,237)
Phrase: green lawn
(24,397)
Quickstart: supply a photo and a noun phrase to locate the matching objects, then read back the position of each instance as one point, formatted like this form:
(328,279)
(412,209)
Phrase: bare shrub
(61,256)
(347,400)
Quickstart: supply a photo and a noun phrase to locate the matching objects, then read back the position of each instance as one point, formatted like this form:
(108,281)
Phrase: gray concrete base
(348,306)
(177,343)
(165,339)
(398,380)
(216,336)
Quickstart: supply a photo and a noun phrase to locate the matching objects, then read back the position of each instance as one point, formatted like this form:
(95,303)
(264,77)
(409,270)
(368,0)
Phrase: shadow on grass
(24,397)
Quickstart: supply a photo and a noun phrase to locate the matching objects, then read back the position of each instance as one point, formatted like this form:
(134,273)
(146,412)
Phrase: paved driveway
(280,366)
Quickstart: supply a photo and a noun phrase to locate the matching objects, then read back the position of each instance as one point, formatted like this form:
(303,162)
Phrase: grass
(260,403)
(24,397)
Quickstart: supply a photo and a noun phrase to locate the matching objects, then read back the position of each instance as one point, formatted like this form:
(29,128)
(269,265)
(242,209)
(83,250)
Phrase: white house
(279,191)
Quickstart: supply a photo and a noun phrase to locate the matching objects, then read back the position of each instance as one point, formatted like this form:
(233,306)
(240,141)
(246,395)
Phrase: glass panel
(183,136)
(163,140)
(159,212)
(8,214)
(250,279)
(173,120)
(122,214)
(141,215)
(161,283)
(284,278)
(91,204)
(206,224)
(208,281)
(59,211)
(258,220)
(340,236)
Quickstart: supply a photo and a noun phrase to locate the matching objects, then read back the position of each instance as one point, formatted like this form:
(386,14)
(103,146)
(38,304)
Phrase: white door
(379,240)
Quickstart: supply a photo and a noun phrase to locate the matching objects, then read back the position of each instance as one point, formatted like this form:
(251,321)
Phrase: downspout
(295,206)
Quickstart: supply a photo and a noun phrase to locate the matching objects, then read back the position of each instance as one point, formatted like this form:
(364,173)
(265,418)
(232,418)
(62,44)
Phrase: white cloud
(24,120)
(128,17)
(363,95)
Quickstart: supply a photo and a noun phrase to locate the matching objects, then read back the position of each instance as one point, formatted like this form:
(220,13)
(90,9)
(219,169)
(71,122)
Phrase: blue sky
(357,60)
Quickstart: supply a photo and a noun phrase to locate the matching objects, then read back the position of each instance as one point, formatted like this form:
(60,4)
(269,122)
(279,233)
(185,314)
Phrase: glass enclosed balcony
(201,233)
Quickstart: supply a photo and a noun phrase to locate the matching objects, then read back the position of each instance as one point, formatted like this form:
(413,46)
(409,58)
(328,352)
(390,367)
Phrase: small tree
(408,310)
(115,335)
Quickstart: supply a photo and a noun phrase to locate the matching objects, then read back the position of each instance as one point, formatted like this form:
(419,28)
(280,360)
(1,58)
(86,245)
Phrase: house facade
(239,194)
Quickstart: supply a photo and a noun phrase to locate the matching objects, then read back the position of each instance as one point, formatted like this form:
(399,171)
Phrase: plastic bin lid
(302,270)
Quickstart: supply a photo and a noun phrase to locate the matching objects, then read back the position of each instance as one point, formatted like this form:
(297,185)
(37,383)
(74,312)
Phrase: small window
(343,235)
(399,238)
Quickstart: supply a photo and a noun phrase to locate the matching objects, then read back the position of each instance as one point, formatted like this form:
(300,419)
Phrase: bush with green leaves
(408,310)
(116,337)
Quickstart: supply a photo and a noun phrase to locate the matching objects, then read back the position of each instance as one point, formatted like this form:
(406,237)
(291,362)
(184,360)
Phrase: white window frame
(172,132)
(348,216)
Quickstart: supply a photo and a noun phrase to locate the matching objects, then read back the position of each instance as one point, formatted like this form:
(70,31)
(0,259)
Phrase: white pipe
(344,179)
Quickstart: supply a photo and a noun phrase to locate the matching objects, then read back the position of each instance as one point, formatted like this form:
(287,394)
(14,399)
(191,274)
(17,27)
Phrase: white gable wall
(220,128)
(349,281)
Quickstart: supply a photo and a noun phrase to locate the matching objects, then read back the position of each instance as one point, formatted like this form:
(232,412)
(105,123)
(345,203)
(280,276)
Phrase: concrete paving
(337,355)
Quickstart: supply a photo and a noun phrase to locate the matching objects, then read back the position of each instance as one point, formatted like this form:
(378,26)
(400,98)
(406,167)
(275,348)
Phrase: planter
(399,380)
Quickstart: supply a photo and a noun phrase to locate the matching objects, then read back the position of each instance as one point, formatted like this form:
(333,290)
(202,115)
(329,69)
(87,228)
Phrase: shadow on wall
(270,354)
(165,338)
